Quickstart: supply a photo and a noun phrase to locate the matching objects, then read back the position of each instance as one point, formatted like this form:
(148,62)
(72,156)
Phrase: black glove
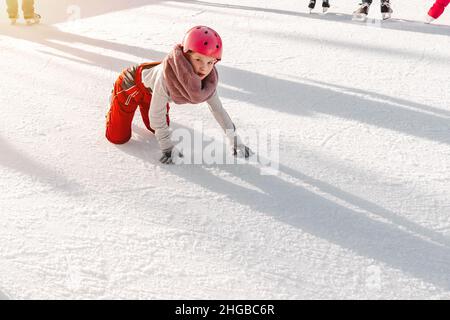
(170,155)
(238,148)
(242,151)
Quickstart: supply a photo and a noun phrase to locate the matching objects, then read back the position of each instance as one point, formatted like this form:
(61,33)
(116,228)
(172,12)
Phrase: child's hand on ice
(239,149)
(242,151)
(171,156)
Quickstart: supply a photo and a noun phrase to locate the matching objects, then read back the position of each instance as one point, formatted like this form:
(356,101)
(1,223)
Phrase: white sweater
(154,79)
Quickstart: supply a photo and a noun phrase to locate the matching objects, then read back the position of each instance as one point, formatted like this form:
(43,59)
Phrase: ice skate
(386,11)
(311,5)
(361,13)
(429,19)
(325,6)
(35,20)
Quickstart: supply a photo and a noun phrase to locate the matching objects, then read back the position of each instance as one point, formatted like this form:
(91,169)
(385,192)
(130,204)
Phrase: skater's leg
(144,108)
(30,16)
(386,10)
(118,123)
(145,97)
(120,115)
(438,8)
(325,5)
(12,8)
(144,101)
(28,9)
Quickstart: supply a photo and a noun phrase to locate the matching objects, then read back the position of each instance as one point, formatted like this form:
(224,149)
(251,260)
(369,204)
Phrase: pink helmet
(203,40)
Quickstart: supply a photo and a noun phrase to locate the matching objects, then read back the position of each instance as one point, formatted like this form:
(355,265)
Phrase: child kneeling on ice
(436,10)
(186,75)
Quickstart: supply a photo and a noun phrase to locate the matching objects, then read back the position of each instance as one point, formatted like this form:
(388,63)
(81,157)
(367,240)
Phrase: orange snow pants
(124,103)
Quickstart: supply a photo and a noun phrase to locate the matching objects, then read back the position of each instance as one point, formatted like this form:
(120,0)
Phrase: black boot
(386,10)
(311,5)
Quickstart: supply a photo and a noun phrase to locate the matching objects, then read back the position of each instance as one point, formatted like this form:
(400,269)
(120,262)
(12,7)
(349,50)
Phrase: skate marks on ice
(408,25)
(3,296)
(442,113)
(395,114)
(50,37)
(20,162)
(292,198)
(314,214)
(393,23)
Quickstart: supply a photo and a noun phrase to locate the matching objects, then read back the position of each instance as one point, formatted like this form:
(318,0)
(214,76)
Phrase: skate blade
(428,19)
(386,16)
(35,20)
(30,23)
(324,10)
(359,17)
